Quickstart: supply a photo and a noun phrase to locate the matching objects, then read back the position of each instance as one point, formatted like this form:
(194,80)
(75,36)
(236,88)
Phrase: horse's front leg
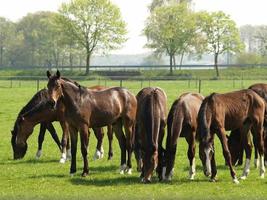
(73,136)
(161,153)
(226,153)
(190,138)
(40,140)
(64,142)
(84,137)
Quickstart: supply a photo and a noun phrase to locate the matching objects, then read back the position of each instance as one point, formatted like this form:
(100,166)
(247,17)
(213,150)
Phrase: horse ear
(48,74)
(58,74)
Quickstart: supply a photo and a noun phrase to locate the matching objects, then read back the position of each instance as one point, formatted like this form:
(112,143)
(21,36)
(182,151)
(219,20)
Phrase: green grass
(47,179)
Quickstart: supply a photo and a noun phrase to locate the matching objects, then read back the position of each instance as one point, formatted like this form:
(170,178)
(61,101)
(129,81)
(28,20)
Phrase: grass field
(48,179)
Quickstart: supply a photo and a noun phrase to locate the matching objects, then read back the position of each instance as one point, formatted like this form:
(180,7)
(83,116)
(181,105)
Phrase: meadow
(46,178)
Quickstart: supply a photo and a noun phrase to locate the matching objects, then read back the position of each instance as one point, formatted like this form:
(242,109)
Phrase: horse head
(19,135)
(54,87)
(206,146)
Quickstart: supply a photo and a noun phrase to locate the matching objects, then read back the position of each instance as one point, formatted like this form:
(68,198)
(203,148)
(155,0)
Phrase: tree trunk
(216,64)
(181,60)
(171,70)
(88,56)
(174,62)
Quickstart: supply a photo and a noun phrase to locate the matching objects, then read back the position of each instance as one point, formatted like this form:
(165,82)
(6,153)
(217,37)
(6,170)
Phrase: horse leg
(161,152)
(64,141)
(54,135)
(73,137)
(260,145)
(256,160)
(40,140)
(246,143)
(226,153)
(122,142)
(99,134)
(110,138)
(84,137)
(190,138)
(213,166)
(129,130)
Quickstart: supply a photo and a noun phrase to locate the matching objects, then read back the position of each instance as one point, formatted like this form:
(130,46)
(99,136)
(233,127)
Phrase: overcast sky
(135,12)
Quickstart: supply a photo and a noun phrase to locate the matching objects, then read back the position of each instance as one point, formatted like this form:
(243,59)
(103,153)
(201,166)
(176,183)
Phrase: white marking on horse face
(208,164)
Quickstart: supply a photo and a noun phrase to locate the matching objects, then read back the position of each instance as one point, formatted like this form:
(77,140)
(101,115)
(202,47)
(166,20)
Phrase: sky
(134,12)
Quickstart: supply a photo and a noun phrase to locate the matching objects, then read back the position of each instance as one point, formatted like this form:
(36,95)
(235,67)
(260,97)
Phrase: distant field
(47,179)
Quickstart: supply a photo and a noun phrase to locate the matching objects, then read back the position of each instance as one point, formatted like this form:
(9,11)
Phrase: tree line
(82,28)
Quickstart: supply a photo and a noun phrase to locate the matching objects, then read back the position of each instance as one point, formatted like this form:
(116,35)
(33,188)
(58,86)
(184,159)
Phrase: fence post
(120,83)
(233,83)
(38,84)
(141,83)
(11,83)
(199,86)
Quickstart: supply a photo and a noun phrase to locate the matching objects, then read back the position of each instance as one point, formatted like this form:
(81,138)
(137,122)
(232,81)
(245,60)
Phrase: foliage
(249,58)
(221,35)
(171,29)
(96,25)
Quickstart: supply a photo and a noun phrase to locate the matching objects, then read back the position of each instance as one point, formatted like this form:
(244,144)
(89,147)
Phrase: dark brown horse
(39,97)
(182,122)
(150,124)
(236,145)
(87,108)
(39,110)
(243,110)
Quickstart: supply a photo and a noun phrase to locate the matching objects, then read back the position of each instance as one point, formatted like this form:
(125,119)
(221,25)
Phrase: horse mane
(203,130)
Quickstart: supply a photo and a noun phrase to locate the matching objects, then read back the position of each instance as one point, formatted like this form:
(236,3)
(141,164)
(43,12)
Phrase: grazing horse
(234,140)
(86,108)
(243,110)
(38,110)
(182,122)
(150,124)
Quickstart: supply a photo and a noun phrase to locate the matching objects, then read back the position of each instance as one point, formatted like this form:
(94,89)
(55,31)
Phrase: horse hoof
(72,175)
(84,174)
(129,171)
(62,160)
(235,181)
(123,168)
(121,172)
(97,155)
(262,176)
(191,178)
(213,180)
(38,154)
(244,177)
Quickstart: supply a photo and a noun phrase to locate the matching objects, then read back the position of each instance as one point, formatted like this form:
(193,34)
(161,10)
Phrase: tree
(7,29)
(221,35)
(96,25)
(170,29)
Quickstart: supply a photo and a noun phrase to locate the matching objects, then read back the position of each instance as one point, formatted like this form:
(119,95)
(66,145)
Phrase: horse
(38,110)
(243,110)
(182,122)
(150,124)
(234,140)
(87,108)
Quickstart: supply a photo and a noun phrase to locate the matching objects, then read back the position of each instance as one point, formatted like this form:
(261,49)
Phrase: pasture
(46,178)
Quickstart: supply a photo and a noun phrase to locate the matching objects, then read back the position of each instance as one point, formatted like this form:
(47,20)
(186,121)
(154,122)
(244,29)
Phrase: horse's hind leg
(99,134)
(122,142)
(256,159)
(161,153)
(260,145)
(130,133)
(40,140)
(73,137)
(246,144)
(190,138)
(110,138)
(84,137)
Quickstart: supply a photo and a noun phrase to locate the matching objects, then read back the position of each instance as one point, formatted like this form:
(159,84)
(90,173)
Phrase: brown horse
(236,145)
(42,112)
(182,122)
(243,110)
(150,124)
(87,108)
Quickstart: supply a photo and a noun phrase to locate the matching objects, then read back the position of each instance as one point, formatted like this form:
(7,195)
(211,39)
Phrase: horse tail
(152,123)
(203,130)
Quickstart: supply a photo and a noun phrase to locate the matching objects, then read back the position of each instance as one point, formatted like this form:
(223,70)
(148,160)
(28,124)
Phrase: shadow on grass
(30,161)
